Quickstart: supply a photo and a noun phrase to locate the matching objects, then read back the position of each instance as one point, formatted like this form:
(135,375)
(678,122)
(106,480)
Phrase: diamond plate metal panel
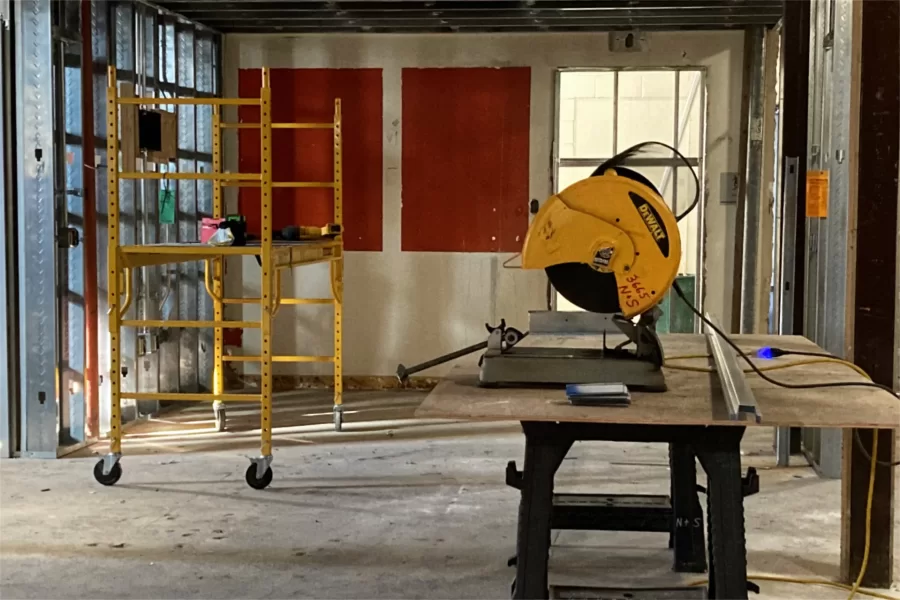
(187,277)
(36,223)
(188,280)
(169,343)
(169,340)
(128,236)
(167,53)
(73,323)
(185,58)
(204,135)
(99,127)
(204,63)
(187,138)
(149,43)
(217,71)
(207,78)
(148,297)
(99,33)
(124,36)
(148,280)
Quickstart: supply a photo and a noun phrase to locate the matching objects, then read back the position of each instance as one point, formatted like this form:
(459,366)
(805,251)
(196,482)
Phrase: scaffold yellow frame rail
(274,257)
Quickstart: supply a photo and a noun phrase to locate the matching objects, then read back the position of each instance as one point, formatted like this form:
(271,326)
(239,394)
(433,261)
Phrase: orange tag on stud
(817,194)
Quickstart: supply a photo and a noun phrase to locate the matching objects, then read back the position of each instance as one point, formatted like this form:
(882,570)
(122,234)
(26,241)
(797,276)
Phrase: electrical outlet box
(629,41)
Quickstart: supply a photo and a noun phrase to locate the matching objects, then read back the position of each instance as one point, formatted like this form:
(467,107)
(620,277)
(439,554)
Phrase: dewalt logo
(652,221)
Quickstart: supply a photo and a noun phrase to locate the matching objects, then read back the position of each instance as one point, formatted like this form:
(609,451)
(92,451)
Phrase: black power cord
(622,158)
(792,386)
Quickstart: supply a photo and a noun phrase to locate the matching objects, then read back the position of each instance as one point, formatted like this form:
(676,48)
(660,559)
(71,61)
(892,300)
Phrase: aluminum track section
(739,398)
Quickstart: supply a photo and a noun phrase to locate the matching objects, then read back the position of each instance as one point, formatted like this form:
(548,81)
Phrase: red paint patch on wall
(465,159)
(307,96)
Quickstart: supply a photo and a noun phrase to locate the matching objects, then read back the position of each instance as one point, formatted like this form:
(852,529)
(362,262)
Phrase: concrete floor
(393,508)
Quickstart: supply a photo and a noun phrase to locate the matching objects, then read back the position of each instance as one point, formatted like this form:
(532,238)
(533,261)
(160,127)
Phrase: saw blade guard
(609,243)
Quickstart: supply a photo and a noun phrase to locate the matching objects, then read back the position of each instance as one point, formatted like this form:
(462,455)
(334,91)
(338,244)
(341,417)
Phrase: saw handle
(403,372)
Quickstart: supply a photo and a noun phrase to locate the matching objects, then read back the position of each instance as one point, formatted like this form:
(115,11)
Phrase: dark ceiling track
(412,16)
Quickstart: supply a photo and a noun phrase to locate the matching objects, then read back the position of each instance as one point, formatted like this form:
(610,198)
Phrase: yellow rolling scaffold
(274,257)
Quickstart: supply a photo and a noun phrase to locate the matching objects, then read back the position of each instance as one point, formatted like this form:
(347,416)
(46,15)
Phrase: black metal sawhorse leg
(720,455)
(544,452)
(687,523)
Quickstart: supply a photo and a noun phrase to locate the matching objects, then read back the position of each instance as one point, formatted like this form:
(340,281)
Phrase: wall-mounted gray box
(729,188)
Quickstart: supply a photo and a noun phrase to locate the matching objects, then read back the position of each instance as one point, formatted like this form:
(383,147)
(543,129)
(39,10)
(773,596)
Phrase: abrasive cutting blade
(585,288)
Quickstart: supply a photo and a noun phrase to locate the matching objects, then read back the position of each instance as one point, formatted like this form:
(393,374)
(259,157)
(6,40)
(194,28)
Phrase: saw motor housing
(609,243)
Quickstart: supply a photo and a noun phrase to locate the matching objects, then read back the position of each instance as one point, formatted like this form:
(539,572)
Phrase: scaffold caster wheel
(219,413)
(338,418)
(258,484)
(114,474)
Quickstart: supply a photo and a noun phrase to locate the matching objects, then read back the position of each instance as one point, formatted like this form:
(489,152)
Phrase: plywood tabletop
(693,398)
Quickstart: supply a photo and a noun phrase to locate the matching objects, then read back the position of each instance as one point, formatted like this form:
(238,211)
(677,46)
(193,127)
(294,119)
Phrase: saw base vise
(638,367)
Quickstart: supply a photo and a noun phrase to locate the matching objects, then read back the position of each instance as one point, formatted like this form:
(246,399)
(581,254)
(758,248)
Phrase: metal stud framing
(829,244)
(8,394)
(36,227)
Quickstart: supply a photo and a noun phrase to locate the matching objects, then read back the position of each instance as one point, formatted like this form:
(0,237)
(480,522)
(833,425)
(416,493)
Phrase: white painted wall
(411,306)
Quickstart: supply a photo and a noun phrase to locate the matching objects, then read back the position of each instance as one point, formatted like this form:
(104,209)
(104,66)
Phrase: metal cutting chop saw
(609,244)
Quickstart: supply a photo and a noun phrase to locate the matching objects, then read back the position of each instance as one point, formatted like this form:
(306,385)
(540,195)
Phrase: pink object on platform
(208,228)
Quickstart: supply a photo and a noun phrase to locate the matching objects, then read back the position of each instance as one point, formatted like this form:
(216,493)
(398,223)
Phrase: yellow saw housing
(615,225)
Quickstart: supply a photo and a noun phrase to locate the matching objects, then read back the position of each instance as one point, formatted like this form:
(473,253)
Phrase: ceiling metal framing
(485,16)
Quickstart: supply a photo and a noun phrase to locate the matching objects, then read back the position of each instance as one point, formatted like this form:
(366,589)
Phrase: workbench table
(691,416)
